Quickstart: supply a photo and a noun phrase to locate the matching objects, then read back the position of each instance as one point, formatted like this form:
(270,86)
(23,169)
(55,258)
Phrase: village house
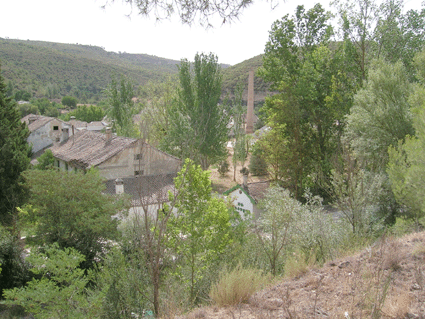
(45,132)
(113,156)
(148,193)
(245,197)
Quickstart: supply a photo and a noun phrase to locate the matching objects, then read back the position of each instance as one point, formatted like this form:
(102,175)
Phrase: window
(138,157)
(55,128)
(141,172)
(66,166)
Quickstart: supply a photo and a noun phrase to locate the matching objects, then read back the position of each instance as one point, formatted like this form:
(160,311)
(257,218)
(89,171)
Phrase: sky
(85,22)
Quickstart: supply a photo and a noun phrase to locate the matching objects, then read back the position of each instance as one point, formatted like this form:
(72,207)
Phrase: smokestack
(249,129)
(119,186)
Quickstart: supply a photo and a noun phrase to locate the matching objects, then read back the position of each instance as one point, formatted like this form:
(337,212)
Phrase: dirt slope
(386,280)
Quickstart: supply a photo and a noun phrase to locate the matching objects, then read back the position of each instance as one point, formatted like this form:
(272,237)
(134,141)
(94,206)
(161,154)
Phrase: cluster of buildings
(127,165)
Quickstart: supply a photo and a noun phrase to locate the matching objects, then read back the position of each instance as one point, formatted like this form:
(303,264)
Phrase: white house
(45,132)
(245,198)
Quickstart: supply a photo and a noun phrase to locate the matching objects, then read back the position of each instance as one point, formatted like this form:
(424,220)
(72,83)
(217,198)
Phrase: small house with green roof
(245,198)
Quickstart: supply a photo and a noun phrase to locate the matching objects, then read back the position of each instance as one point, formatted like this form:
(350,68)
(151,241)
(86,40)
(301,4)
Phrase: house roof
(145,189)
(255,191)
(37,121)
(86,149)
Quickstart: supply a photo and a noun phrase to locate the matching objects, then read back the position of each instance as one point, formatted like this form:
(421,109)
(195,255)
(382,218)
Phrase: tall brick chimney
(249,129)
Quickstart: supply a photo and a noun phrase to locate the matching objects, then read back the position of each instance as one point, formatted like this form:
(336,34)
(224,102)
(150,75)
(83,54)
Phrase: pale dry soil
(385,280)
(222,183)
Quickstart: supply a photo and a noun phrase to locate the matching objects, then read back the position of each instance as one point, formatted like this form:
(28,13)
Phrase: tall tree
(314,95)
(380,115)
(14,157)
(406,169)
(121,107)
(201,229)
(198,127)
(159,99)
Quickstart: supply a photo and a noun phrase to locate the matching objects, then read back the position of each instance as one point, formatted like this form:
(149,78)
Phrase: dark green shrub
(257,164)
(14,269)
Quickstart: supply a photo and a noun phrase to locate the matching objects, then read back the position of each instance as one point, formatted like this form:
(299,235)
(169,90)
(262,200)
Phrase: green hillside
(239,73)
(52,70)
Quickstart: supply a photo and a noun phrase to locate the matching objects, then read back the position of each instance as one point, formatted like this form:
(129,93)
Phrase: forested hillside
(53,70)
(47,69)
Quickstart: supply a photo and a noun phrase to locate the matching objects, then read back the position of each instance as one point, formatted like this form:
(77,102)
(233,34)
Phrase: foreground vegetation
(345,130)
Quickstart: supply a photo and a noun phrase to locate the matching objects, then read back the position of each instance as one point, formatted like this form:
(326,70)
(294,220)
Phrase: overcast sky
(85,22)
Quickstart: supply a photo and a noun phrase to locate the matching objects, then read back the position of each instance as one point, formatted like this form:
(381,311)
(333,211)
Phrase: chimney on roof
(32,119)
(249,129)
(119,186)
(65,134)
(108,132)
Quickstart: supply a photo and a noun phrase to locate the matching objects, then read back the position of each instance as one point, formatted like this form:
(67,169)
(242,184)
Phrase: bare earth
(223,183)
(386,280)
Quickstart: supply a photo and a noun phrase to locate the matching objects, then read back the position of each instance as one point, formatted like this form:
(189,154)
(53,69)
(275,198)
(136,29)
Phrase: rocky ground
(386,280)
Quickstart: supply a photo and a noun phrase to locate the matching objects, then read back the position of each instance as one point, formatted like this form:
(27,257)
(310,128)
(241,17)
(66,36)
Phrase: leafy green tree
(69,101)
(380,116)
(22,95)
(58,289)
(274,228)
(27,108)
(159,99)
(45,161)
(71,210)
(14,268)
(406,171)
(257,163)
(201,229)
(198,127)
(14,157)
(86,113)
(121,107)
(357,19)
(356,193)
(313,96)
(121,284)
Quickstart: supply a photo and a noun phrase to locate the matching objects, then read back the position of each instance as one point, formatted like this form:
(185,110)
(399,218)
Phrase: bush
(238,285)
(14,269)
(257,164)
(223,167)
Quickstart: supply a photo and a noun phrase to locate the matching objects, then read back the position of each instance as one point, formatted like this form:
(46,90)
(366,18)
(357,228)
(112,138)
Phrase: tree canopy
(198,123)
(71,210)
(14,156)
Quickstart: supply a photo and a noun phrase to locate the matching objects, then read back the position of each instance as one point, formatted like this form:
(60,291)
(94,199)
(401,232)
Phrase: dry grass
(384,281)
(237,286)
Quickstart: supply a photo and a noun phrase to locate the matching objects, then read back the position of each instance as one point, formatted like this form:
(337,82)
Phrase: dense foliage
(14,157)
(70,209)
(198,123)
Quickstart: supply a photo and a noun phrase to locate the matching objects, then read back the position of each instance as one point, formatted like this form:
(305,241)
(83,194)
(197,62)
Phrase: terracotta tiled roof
(86,149)
(37,121)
